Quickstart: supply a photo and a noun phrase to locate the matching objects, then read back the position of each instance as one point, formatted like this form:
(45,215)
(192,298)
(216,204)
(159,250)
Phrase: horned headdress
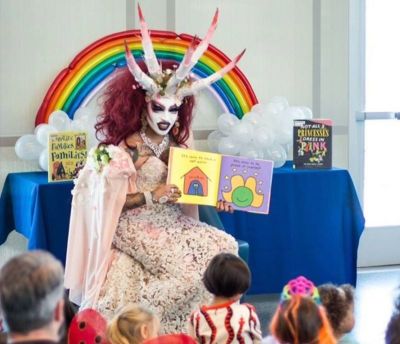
(174,82)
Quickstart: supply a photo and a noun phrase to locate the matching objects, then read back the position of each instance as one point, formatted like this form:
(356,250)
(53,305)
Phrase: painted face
(162,113)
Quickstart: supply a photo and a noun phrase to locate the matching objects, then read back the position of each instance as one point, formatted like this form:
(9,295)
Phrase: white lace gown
(161,255)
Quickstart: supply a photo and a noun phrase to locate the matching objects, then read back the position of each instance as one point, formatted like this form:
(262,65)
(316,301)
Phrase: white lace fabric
(161,255)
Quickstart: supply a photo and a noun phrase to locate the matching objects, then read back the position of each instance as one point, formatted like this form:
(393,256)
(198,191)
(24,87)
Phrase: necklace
(157,149)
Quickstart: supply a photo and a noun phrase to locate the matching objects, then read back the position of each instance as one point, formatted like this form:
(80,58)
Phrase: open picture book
(205,178)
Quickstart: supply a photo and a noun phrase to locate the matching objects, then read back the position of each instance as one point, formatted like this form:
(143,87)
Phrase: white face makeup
(162,113)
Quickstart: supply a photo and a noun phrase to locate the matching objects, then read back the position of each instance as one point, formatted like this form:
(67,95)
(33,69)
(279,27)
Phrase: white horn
(191,57)
(202,83)
(142,78)
(149,56)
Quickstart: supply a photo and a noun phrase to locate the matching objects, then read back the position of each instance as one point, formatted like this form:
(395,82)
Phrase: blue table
(38,210)
(313,228)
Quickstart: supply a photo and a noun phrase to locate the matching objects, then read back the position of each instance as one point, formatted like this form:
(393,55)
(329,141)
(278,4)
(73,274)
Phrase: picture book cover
(312,144)
(204,178)
(67,155)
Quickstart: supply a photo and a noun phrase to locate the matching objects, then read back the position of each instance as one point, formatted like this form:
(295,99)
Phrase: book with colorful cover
(205,178)
(312,144)
(67,155)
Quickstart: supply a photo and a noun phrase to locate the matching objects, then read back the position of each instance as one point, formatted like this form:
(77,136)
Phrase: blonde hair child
(133,324)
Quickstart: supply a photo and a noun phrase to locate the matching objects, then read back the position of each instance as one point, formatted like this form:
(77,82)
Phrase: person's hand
(166,193)
(224,206)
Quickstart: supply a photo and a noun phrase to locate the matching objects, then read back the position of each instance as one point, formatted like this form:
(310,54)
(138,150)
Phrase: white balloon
(284,134)
(292,113)
(273,107)
(59,120)
(83,111)
(28,148)
(276,153)
(281,103)
(77,125)
(226,122)
(258,108)
(251,151)
(42,134)
(39,126)
(307,113)
(263,137)
(253,118)
(228,146)
(242,132)
(44,160)
(213,140)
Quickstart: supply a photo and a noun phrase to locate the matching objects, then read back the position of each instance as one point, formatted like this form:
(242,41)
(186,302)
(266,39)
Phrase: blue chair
(209,215)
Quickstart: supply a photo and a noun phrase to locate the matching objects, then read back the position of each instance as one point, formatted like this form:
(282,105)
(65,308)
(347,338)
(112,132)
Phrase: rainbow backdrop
(75,85)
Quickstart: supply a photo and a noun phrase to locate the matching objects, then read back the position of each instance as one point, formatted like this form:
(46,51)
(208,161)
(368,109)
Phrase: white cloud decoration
(263,133)
(35,146)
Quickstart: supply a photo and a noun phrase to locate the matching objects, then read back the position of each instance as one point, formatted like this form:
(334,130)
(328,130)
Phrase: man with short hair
(31,298)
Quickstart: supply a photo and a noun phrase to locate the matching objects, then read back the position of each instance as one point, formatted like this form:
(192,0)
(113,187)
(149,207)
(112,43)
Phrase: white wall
(295,48)
(38,39)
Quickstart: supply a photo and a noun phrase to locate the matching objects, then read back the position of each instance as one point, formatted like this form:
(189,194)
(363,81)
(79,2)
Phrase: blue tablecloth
(38,210)
(313,228)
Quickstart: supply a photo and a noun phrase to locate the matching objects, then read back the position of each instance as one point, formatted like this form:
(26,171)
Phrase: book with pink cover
(205,178)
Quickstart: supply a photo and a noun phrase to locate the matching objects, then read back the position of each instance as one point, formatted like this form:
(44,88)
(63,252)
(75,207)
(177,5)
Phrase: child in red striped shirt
(225,320)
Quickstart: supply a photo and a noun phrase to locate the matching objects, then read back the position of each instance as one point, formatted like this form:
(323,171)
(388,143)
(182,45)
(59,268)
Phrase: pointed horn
(191,57)
(142,78)
(149,56)
(183,70)
(202,83)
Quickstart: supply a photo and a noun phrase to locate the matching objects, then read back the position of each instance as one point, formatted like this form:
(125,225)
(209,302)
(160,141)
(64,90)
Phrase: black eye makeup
(174,108)
(157,107)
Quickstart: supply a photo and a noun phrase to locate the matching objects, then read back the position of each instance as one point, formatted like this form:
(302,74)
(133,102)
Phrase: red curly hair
(123,105)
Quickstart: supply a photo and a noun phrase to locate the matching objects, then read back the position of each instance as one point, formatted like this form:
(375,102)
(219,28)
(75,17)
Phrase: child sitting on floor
(300,317)
(225,320)
(133,325)
(339,305)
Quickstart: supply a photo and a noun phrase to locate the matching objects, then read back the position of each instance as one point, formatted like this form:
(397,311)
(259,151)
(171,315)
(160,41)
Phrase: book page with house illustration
(196,174)
(246,183)
(204,178)
(67,155)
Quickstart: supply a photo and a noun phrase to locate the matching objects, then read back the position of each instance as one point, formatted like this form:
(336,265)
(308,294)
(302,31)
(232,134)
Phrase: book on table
(205,178)
(312,144)
(67,155)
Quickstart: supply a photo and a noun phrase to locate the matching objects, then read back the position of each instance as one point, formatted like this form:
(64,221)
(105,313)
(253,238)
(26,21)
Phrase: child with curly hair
(339,304)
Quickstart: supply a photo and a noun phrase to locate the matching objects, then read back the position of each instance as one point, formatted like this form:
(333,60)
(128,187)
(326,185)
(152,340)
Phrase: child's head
(132,325)
(299,317)
(339,305)
(392,335)
(227,276)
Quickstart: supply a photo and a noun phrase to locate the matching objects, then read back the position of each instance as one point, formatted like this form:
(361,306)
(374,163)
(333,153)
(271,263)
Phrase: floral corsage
(100,157)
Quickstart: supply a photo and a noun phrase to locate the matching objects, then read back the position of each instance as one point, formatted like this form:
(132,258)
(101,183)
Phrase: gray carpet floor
(375,293)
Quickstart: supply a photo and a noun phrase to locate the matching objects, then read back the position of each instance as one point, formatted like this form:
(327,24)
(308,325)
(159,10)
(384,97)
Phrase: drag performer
(128,240)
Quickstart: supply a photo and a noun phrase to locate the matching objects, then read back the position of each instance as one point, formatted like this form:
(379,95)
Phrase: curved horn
(142,78)
(202,83)
(192,55)
(149,56)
